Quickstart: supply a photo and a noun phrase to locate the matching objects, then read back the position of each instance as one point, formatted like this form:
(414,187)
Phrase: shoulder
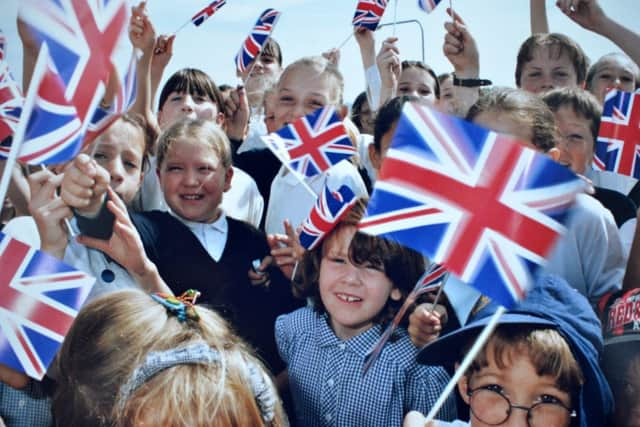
(404,353)
(298,321)
(241,229)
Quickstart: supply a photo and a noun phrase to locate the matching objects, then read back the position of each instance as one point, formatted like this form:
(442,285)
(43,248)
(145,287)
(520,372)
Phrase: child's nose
(188,103)
(190,178)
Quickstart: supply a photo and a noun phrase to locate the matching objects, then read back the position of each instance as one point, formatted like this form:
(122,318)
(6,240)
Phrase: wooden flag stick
(345,41)
(471,355)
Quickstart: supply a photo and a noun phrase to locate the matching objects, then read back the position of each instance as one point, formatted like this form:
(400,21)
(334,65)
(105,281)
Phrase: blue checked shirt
(325,375)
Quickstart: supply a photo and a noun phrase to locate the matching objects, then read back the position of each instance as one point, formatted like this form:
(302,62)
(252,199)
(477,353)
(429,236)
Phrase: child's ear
(374,156)
(227,178)
(554,153)
(343,111)
(396,295)
(463,386)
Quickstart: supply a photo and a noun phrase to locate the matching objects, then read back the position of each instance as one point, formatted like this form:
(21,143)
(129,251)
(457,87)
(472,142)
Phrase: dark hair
(557,44)
(387,116)
(356,109)
(580,101)
(272,48)
(401,265)
(421,65)
(444,76)
(526,107)
(193,82)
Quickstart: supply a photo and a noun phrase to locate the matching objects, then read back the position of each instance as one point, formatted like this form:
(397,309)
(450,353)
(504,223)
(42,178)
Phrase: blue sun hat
(551,303)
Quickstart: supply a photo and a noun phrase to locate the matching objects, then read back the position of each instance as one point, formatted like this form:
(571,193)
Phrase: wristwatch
(470,82)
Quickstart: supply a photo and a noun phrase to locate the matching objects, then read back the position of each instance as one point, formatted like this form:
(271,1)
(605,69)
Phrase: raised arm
(538,16)
(143,38)
(462,52)
(589,15)
(162,53)
(390,67)
(367,44)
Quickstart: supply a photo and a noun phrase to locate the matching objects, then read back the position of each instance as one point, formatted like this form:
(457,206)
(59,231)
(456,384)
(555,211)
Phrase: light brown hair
(583,103)
(112,336)
(199,131)
(321,66)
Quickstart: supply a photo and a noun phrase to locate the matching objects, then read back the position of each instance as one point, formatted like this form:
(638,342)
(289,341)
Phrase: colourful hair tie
(182,306)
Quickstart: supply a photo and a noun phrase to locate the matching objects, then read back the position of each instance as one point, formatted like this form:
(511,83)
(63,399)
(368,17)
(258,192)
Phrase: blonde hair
(322,67)
(116,333)
(199,131)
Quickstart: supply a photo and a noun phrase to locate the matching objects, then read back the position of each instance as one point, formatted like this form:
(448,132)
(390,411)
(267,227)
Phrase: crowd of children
(207,311)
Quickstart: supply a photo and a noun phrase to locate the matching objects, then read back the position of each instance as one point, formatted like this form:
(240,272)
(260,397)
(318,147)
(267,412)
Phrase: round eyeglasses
(494,408)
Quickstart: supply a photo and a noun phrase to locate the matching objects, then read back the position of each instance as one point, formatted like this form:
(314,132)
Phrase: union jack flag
(79,40)
(485,207)
(428,5)
(618,144)
(207,12)
(329,209)
(369,13)
(313,143)
(256,40)
(432,279)
(10,101)
(41,297)
(124,99)
(3,43)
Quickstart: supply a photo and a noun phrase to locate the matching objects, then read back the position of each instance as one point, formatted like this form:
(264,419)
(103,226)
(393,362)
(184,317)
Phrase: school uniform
(215,259)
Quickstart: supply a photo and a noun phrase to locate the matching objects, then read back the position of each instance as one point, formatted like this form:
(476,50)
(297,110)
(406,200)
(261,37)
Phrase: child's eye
(534,74)
(98,156)
(176,98)
(605,76)
(338,260)
(562,74)
(547,398)
(315,104)
(131,165)
(496,388)
(425,92)
(626,79)
(174,168)
(286,100)
(201,99)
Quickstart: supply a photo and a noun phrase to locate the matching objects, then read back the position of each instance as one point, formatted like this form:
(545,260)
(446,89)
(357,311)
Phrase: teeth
(348,298)
(192,197)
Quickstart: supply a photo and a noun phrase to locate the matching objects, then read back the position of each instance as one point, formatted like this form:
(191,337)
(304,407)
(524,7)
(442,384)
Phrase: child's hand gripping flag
(431,280)
(312,144)
(484,206)
(256,40)
(328,210)
(618,144)
(369,13)
(41,297)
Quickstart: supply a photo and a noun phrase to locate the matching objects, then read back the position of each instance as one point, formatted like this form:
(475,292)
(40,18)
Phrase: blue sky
(309,27)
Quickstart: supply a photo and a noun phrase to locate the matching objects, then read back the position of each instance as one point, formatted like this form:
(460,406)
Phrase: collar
(360,344)
(219,225)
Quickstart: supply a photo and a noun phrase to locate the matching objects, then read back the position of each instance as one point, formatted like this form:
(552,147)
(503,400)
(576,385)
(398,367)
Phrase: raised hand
(49,212)
(460,47)
(141,31)
(84,185)
(237,114)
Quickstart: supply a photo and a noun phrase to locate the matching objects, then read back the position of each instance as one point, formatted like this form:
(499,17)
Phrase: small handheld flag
(432,279)
(329,209)
(41,297)
(256,40)
(618,144)
(313,143)
(11,101)
(470,199)
(428,5)
(207,12)
(369,13)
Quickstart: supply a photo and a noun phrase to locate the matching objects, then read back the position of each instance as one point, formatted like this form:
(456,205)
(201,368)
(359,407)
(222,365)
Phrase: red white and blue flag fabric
(369,13)
(313,143)
(79,39)
(428,5)
(618,144)
(484,206)
(431,280)
(329,209)
(124,99)
(207,12)
(256,40)
(41,297)
(11,101)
